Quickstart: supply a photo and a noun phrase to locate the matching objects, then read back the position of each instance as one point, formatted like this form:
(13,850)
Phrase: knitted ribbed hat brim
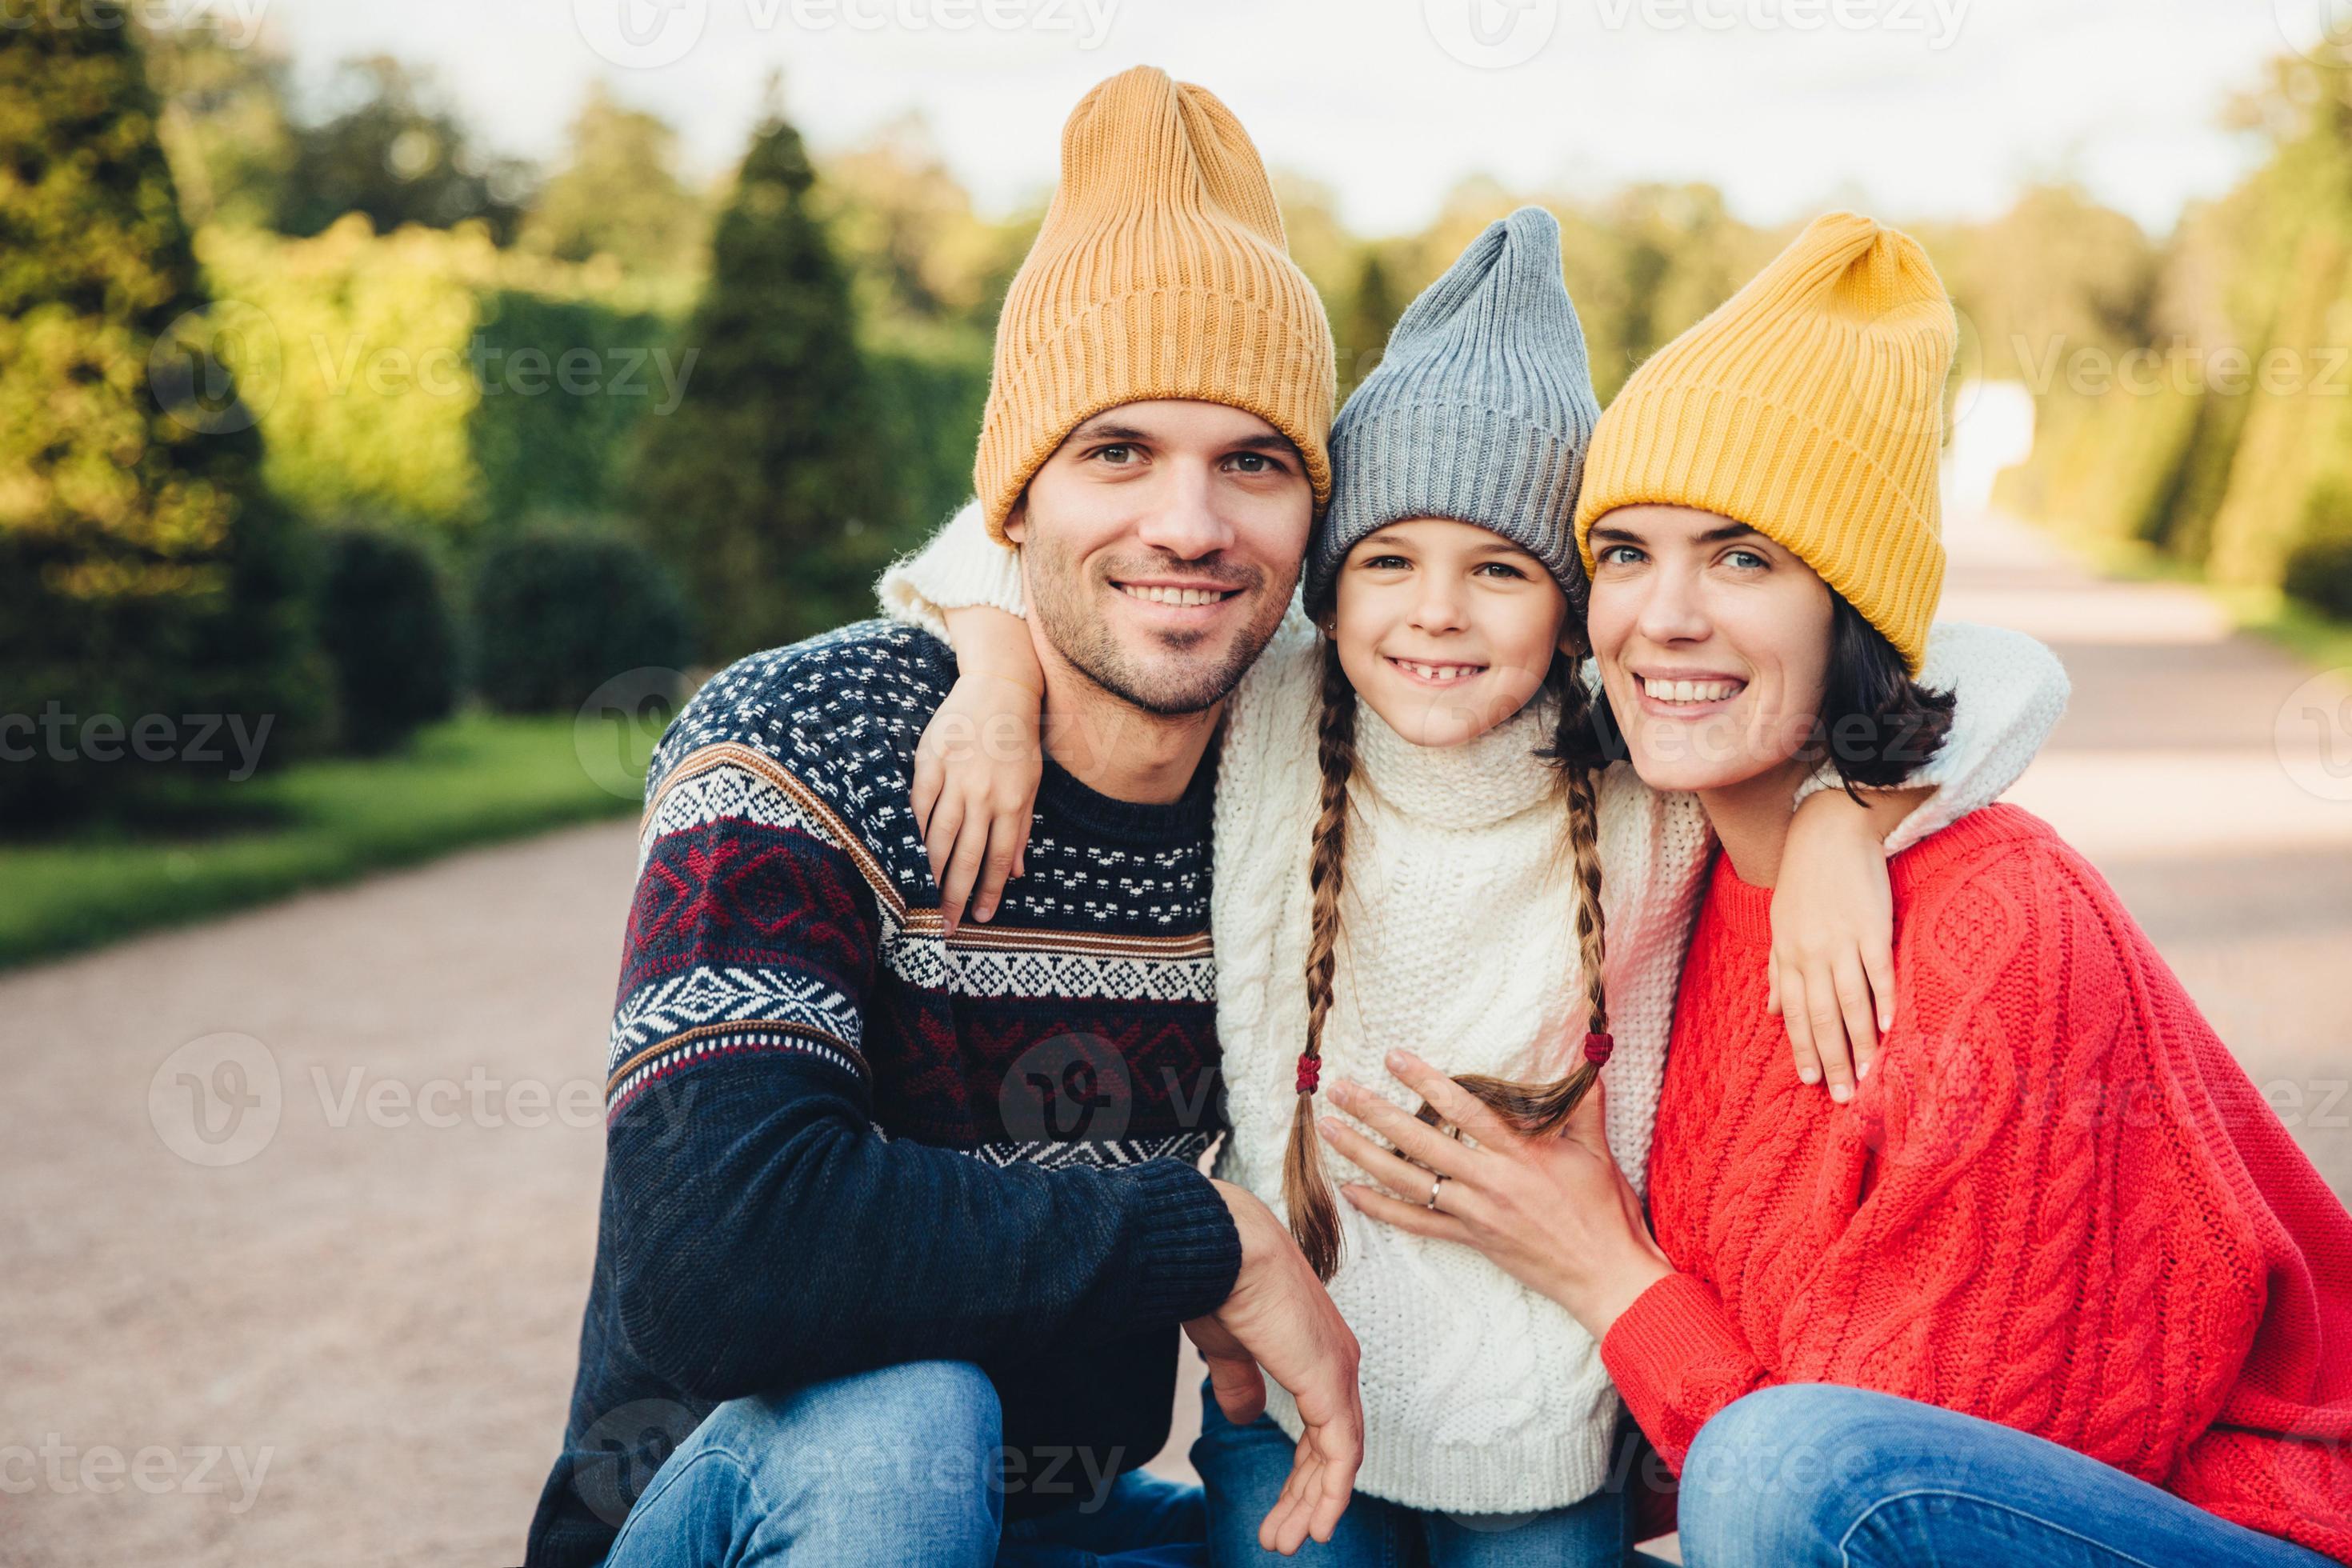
(1483,465)
(1199,345)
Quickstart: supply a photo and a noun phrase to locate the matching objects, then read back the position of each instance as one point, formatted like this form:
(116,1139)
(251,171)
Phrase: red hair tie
(1310,1072)
(1597,1047)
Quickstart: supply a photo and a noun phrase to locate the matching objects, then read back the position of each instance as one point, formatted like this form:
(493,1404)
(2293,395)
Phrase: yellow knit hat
(1162,271)
(1810,406)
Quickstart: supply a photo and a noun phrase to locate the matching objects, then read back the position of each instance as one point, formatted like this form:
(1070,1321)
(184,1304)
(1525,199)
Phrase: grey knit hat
(1479,411)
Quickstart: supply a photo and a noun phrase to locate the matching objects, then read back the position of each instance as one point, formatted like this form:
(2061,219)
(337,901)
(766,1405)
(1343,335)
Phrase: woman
(2056,1285)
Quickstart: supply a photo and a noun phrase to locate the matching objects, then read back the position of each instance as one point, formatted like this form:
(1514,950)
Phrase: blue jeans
(902,1467)
(1810,1474)
(1243,1468)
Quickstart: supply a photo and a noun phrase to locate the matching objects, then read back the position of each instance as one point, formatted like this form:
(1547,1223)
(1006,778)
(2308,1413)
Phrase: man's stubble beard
(1062,600)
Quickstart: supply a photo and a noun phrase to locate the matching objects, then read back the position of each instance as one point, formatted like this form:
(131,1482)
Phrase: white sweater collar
(1485,780)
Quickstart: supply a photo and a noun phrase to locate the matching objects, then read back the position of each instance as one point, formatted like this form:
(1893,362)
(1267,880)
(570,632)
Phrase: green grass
(468,780)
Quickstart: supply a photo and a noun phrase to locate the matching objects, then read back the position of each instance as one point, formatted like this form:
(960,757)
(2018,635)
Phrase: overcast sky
(1907,107)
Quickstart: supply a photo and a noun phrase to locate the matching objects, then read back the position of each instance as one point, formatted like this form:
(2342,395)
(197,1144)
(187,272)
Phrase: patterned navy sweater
(838,1139)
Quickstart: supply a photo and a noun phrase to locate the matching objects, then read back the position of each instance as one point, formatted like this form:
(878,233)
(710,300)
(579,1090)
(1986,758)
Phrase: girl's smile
(1429,673)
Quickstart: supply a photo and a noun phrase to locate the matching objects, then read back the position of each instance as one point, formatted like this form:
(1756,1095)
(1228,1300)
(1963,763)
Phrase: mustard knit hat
(1810,406)
(1162,271)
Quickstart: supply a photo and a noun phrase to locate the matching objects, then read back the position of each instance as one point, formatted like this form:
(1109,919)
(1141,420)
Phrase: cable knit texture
(1457,941)
(2057,1203)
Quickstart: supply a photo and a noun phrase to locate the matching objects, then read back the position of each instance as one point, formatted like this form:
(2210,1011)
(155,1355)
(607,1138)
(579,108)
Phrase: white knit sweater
(1457,941)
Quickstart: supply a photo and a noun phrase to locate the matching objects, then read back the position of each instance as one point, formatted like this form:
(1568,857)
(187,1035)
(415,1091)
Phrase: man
(898,1223)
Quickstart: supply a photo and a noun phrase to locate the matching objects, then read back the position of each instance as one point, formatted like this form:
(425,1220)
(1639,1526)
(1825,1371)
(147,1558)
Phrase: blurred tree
(1363,326)
(1319,240)
(224,123)
(619,194)
(1673,253)
(2192,394)
(2319,569)
(146,576)
(1467,209)
(764,489)
(2054,275)
(916,249)
(399,157)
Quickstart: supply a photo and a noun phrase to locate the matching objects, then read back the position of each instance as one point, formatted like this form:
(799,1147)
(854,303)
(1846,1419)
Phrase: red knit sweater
(2057,1203)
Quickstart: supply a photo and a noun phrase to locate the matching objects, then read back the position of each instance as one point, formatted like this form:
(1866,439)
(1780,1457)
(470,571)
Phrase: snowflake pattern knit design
(815,742)
(837,1138)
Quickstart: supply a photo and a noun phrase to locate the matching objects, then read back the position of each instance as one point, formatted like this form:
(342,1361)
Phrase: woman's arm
(980,758)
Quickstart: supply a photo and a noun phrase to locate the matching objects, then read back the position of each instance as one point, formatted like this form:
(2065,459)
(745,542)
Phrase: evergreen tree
(618,193)
(765,491)
(145,575)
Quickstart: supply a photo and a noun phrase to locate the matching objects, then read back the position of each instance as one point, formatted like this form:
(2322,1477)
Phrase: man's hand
(1279,1323)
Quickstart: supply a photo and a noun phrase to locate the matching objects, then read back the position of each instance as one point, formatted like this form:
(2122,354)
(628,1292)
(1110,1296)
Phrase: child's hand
(1832,972)
(976,773)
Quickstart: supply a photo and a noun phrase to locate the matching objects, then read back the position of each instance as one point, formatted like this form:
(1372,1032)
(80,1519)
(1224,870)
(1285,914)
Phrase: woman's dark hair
(1877,723)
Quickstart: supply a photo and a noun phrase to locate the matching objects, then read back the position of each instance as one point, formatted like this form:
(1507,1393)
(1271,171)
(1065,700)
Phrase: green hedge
(559,616)
(385,622)
(929,390)
(421,377)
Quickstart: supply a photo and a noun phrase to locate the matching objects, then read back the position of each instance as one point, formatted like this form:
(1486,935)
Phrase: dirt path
(349,1340)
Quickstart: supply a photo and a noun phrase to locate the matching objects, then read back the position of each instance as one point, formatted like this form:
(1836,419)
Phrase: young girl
(2057,1287)
(1413,851)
